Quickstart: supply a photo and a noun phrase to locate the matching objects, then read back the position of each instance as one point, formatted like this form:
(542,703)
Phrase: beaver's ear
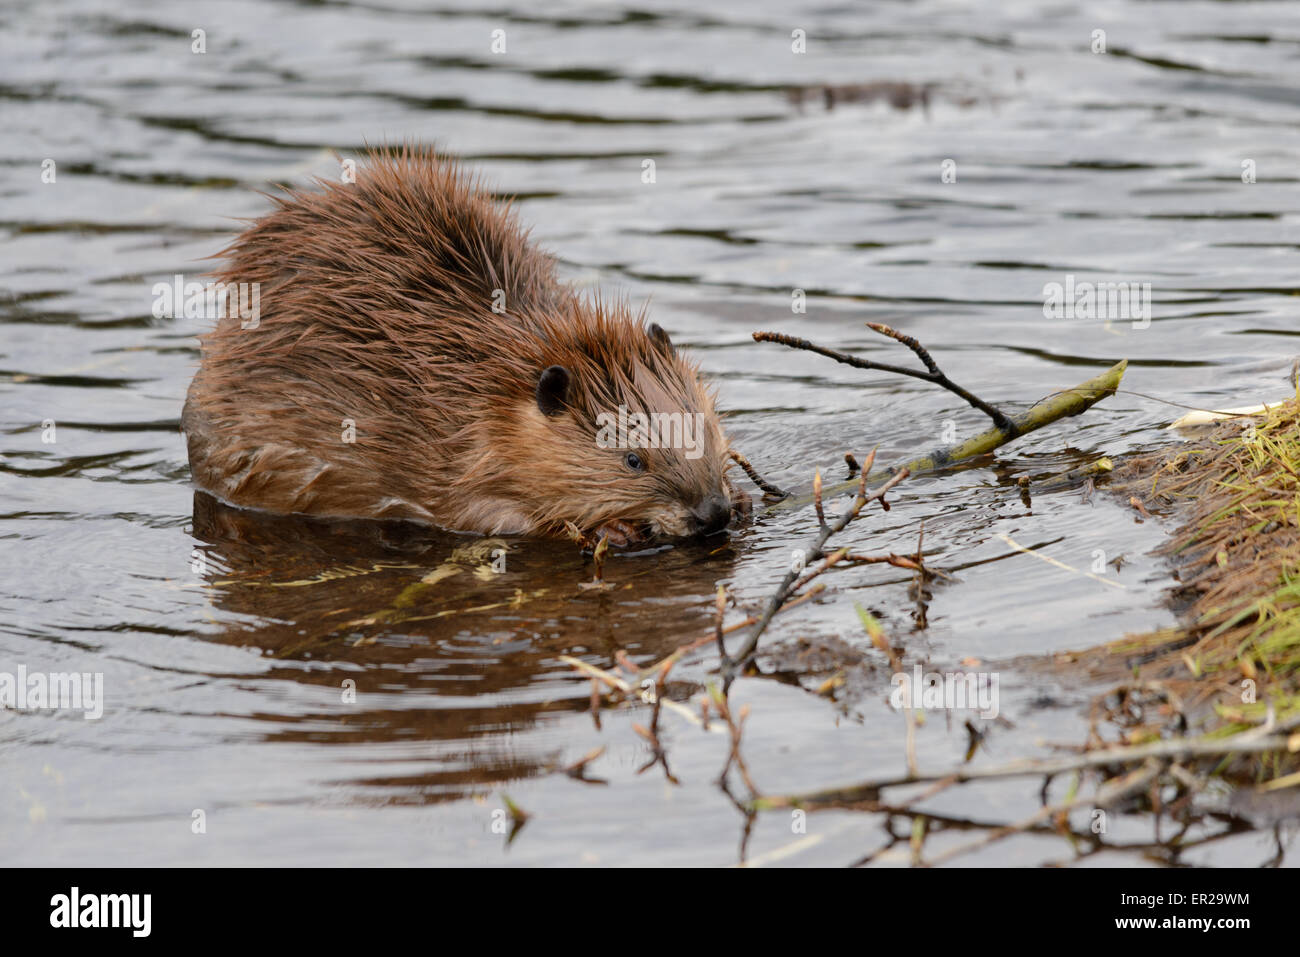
(660,338)
(552,390)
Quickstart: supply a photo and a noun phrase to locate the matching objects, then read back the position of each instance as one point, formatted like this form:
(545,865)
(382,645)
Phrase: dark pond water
(222,677)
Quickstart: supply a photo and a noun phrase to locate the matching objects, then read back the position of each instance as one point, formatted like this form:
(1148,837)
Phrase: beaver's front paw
(741,503)
(620,533)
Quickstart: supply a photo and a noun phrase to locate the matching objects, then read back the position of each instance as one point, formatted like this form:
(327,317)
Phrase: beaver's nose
(713,514)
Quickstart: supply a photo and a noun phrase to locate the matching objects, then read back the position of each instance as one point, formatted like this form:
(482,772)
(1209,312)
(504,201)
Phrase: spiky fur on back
(377,308)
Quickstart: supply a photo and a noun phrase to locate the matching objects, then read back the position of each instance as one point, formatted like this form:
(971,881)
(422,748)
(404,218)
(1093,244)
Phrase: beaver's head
(624,437)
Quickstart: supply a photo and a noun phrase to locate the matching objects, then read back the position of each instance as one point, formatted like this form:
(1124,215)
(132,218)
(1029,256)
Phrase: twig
(1059,405)
(717,624)
(770,491)
(578,769)
(876,633)
(614,681)
(1059,564)
(913,563)
(1107,794)
(731,666)
(735,729)
(651,734)
(932,374)
(817,498)
(697,643)
(1102,757)
(518,817)
(827,563)
(598,559)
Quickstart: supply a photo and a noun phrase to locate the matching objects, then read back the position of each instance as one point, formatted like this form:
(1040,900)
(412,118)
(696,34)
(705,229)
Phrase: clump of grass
(1234,661)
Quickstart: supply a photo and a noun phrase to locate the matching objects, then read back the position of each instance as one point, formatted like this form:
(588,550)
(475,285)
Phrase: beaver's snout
(713,514)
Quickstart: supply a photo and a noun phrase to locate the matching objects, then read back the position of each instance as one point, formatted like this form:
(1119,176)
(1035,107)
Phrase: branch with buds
(932,371)
(734,664)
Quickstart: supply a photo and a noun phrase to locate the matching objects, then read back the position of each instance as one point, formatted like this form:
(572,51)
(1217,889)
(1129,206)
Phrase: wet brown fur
(376,307)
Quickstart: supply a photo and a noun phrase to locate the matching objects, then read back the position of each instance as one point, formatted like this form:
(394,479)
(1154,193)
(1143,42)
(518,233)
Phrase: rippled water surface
(225,638)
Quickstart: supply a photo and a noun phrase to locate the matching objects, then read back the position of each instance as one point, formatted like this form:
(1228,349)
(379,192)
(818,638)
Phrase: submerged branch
(731,666)
(1250,742)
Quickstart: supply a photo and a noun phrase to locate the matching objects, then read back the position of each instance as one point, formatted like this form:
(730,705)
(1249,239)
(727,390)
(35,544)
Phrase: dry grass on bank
(1233,663)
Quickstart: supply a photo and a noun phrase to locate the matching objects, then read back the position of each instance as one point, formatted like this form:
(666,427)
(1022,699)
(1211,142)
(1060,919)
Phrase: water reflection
(452,638)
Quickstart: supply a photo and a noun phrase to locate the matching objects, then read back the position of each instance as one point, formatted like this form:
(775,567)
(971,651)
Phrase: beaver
(415,357)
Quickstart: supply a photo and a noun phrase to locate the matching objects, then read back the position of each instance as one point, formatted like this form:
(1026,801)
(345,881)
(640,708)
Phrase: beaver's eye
(634,462)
